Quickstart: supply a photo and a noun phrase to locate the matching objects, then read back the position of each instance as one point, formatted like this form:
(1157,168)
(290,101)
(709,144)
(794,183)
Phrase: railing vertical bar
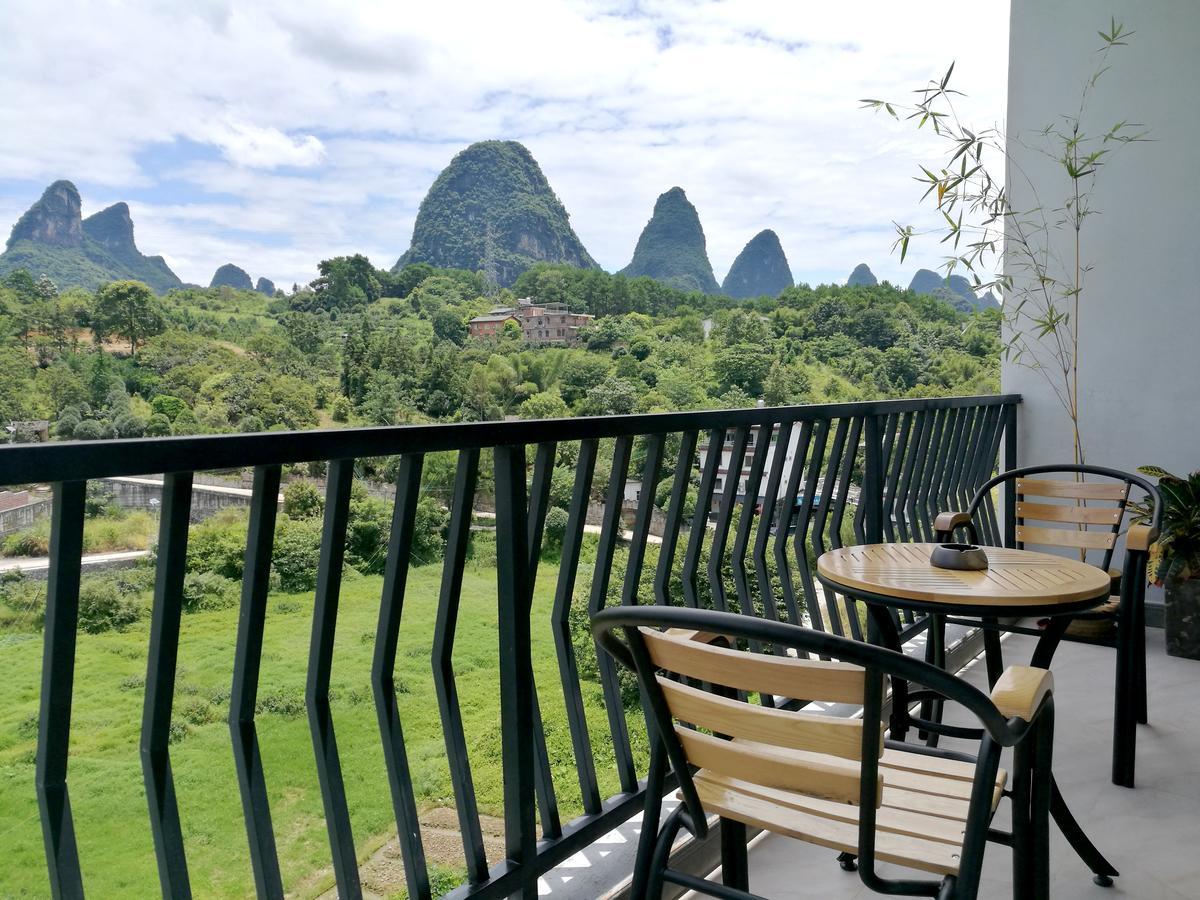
(988,523)
(903,426)
(444,683)
(803,525)
(58,682)
(979,465)
(320,663)
(962,458)
(516,665)
(1010,463)
(928,420)
(716,553)
(874,462)
(383,679)
(822,517)
(610,530)
(640,536)
(917,425)
(539,503)
(674,517)
(260,540)
(952,434)
(568,669)
(928,464)
(783,527)
(745,526)
(708,478)
(839,513)
(161,664)
(766,519)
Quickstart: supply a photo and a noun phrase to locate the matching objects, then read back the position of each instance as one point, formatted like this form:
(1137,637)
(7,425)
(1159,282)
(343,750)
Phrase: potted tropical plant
(1175,558)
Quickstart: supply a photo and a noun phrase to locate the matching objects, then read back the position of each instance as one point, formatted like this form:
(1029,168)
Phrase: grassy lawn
(105,777)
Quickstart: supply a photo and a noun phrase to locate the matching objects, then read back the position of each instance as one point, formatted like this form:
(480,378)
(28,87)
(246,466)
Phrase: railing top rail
(75,460)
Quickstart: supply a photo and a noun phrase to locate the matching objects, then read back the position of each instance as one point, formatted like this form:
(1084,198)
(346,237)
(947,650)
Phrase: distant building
(541,323)
(492,324)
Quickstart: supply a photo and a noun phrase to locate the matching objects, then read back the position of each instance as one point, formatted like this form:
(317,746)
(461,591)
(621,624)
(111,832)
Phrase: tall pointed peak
(672,248)
(862,276)
(54,219)
(492,209)
(112,227)
(760,270)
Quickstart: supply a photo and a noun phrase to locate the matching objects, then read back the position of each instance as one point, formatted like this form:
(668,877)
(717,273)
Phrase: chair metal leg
(661,857)
(1022,844)
(735,865)
(1139,643)
(1125,702)
(1039,805)
(651,814)
(935,654)
(992,653)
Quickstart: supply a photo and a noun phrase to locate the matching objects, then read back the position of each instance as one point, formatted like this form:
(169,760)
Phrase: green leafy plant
(1176,554)
(1042,288)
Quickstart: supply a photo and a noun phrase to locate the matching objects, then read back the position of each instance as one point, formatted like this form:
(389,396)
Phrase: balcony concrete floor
(1151,834)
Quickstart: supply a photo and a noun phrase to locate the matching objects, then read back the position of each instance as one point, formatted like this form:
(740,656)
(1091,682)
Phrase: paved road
(41,563)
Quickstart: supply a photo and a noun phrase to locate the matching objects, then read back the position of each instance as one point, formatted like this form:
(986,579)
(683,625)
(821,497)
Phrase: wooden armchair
(829,781)
(1088,518)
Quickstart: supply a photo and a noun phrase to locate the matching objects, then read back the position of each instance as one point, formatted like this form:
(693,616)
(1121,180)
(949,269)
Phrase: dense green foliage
(365,346)
(493,210)
(672,249)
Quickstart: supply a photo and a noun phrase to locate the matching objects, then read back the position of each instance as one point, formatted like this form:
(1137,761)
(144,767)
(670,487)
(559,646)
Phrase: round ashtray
(965,557)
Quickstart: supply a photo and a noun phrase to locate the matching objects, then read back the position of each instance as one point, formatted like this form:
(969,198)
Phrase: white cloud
(257,147)
(327,122)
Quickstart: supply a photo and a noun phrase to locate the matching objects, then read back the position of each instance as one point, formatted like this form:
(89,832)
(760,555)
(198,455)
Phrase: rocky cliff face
(232,276)
(760,270)
(51,239)
(265,286)
(862,276)
(672,249)
(492,209)
(54,220)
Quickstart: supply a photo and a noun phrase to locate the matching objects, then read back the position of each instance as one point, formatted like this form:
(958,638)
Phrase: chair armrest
(691,634)
(948,521)
(1020,691)
(1140,537)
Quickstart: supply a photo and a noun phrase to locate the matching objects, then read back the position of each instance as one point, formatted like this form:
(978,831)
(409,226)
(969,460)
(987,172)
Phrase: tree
(130,310)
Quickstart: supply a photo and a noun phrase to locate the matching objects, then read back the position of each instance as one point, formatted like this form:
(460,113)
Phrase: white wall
(1140,316)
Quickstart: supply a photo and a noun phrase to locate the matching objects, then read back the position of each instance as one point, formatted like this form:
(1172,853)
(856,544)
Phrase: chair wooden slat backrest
(1082,515)
(809,753)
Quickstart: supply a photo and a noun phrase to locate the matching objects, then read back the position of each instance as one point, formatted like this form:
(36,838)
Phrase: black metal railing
(814,477)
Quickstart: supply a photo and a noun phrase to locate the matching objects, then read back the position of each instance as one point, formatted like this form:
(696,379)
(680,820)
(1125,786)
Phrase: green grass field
(105,777)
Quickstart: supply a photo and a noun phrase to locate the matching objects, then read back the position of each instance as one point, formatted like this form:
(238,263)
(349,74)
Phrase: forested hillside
(362,345)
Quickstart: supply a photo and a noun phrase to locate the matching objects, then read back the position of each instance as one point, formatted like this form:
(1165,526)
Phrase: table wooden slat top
(1013,578)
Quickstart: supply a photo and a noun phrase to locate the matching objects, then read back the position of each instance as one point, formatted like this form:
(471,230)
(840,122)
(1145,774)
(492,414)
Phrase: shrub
(33,541)
(341,410)
(208,590)
(302,500)
(99,501)
(158,425)
(367,532)
(89,430)
(102,606)
(429,531)
(297,549)
(218,544)
(553,532)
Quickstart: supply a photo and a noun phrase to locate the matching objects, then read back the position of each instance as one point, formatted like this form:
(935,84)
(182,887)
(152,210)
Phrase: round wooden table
(1017,583)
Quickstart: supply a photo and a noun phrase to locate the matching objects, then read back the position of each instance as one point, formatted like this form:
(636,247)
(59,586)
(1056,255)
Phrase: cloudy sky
(273,135)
